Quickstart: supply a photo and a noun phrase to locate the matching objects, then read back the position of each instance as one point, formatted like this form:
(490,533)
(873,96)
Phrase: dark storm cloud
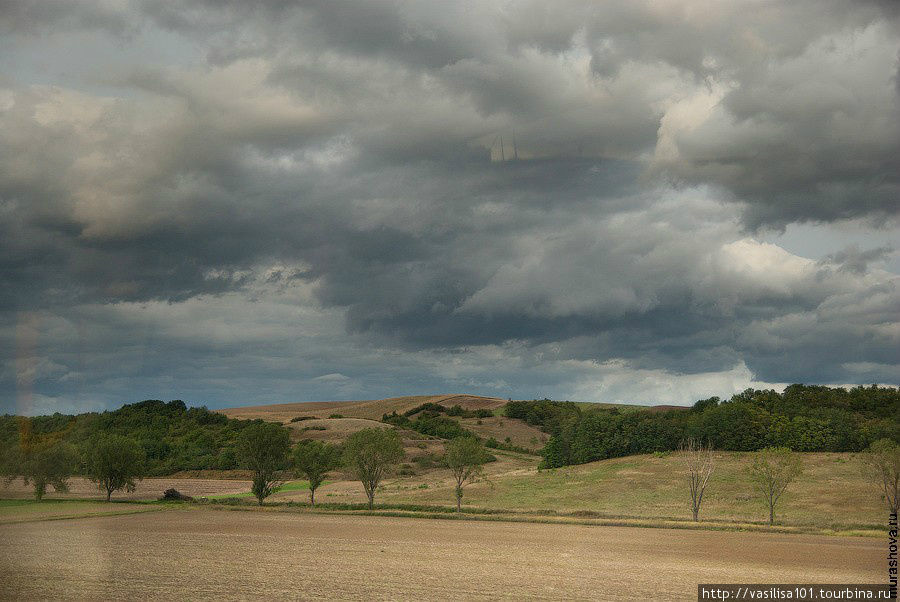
(353,151)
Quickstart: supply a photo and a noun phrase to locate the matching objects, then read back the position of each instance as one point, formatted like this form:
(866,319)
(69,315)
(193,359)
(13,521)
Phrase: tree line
(171,436)
(802,418)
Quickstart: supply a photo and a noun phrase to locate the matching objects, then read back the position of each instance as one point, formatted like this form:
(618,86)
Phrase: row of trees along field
(802,418)
(115,462)
(369,455)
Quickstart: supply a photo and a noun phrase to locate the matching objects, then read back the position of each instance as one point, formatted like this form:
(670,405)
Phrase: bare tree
(883,461)
(774,468)
(699,462)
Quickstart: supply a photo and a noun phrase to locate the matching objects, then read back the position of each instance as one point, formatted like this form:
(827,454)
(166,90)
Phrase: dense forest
(803,418)
(173,436)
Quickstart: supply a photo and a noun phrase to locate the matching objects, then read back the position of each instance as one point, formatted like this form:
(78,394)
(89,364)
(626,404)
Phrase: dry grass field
(22,510)
(218,554)
(832,495)
(501,427)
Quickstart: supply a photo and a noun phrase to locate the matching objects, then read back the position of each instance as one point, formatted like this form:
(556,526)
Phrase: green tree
(114,462)
(556,453)
(465,457)
(773,469)
(370,454)
(47,463)
(41,460)
(263,447)
(313,460)
(9,460)
(883,461)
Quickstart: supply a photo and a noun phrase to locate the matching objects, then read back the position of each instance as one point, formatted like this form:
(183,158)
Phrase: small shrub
(301,418)
(427,461)
(314,428)
(336,416)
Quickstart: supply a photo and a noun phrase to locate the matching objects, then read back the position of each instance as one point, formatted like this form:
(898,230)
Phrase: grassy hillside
(356,415)
(832,493)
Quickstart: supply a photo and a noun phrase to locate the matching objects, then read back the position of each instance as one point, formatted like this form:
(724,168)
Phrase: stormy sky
(236,203)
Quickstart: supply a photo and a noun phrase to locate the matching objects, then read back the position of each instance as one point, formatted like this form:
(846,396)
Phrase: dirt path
(205,553)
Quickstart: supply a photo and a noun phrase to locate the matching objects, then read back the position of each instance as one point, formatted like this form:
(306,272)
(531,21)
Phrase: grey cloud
(852,259)
(357,146)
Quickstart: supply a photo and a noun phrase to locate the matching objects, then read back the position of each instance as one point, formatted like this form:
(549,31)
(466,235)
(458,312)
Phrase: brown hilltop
(370,409)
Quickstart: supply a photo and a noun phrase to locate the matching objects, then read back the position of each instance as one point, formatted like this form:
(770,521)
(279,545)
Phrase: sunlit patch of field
(14,511)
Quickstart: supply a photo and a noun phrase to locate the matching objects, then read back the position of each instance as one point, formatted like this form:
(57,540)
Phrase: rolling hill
(317,423)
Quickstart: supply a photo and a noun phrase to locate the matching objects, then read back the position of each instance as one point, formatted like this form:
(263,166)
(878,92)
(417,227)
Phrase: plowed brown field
(219,554)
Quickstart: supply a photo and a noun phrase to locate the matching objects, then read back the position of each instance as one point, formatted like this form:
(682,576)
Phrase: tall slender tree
(465,457)
(773,469)
(263,447)
(370,454)
(313,460)
(699,463)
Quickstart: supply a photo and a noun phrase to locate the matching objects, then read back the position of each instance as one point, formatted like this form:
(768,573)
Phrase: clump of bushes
(457,411)
(428,423)
(302,418)
(492,443)
(427,461)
